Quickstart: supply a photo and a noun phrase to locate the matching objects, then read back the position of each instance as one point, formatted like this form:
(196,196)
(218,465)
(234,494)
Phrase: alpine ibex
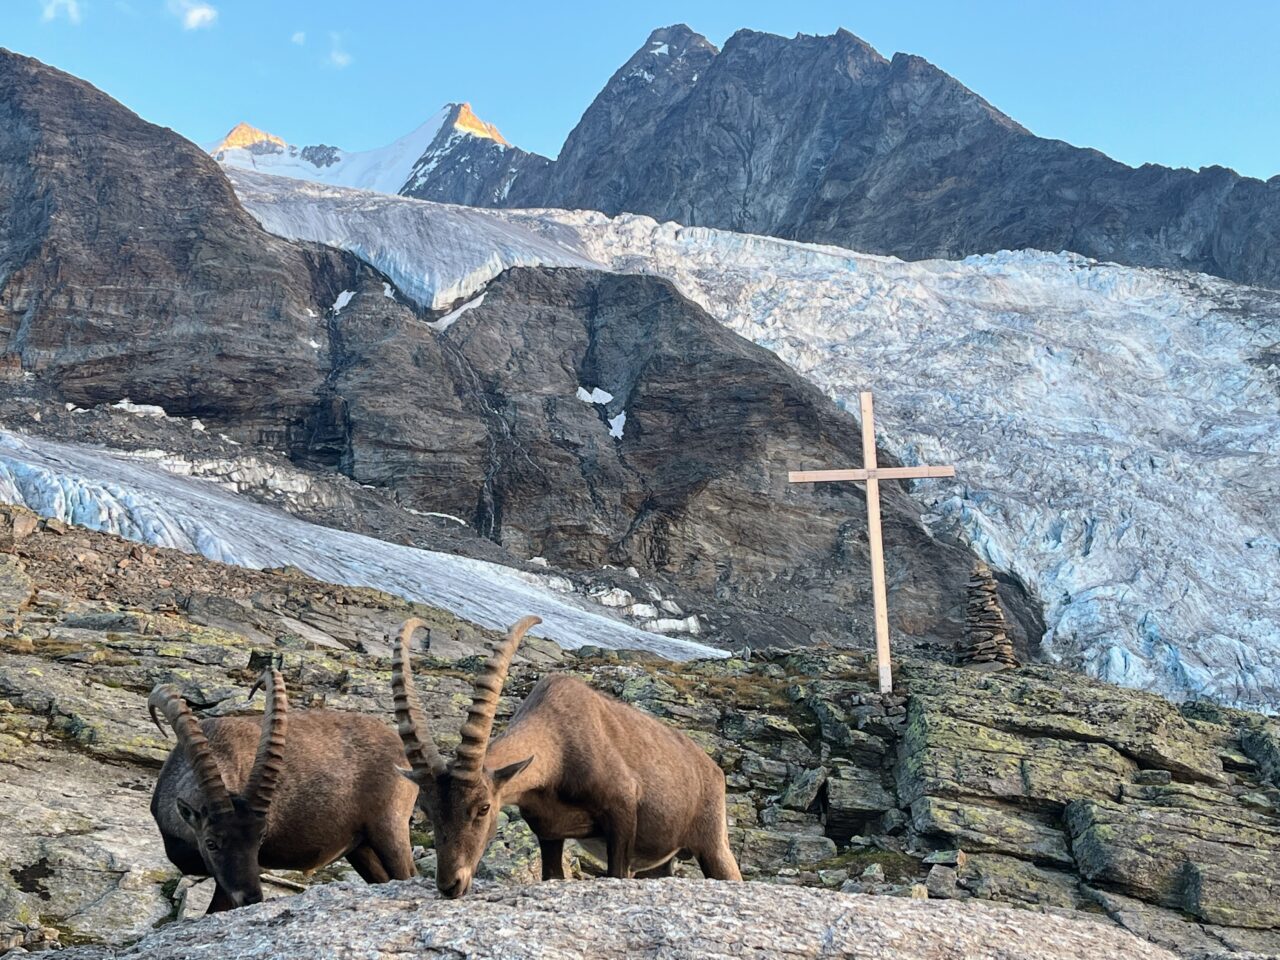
(231,800)
(578,764)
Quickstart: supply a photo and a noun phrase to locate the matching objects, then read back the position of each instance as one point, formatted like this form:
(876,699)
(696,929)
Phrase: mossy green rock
(1220,864)
(975,826)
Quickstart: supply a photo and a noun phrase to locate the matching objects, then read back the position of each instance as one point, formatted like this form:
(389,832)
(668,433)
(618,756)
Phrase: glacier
(436,260)
(1116,430)
(137,499)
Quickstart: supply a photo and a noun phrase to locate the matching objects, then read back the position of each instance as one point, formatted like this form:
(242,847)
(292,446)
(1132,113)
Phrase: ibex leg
(620,838)
(552,855)
(719,863)
(368,865)
(394,850)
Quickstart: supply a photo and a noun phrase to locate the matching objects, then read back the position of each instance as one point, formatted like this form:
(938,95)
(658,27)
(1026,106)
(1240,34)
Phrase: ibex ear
(503,774)
(190,814)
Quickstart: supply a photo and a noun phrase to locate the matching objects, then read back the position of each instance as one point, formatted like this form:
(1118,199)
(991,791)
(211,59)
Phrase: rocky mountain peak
(677,39)
(246,137)
(463,120)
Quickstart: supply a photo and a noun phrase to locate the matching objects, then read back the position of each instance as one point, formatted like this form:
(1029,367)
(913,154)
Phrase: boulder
(673,919)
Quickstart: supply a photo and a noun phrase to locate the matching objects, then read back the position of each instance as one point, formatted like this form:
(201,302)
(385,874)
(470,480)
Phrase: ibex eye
(484,809)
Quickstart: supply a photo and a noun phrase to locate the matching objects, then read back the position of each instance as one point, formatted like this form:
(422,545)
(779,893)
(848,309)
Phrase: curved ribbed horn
(195,746)
(268,765)
(418,745)
(484,702)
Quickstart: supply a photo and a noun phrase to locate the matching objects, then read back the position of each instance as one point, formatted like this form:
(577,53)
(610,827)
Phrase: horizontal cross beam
(880,473)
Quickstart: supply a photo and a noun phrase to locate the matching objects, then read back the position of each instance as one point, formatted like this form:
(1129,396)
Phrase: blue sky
(1173,82)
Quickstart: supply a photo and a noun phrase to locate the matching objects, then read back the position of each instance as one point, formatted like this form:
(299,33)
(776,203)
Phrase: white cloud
(52,9)
(299,38)
(338,57)
(193,15)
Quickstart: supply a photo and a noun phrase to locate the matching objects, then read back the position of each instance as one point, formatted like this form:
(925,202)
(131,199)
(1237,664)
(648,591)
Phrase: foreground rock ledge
(614,918)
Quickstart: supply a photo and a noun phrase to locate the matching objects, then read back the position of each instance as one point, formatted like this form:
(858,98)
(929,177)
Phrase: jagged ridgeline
(823,139)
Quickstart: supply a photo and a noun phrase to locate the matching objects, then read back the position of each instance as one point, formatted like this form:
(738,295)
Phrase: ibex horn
(418,745)
(484,703)
(268,765)
(195,746)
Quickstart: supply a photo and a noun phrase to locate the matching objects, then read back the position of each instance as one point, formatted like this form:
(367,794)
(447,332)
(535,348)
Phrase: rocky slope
(125,258)
(134,497)
(675,919)
(1096,413)
(475,414)
(1036,788)
(823,139)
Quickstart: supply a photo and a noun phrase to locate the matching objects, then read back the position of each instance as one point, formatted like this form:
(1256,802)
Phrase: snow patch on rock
(450,318)
(343,299)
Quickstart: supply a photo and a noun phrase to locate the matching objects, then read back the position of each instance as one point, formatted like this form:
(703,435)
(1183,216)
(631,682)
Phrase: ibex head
(229,828)
(463,798)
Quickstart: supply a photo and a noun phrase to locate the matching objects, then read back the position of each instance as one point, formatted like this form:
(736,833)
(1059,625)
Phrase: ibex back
(306,789)
(578,764)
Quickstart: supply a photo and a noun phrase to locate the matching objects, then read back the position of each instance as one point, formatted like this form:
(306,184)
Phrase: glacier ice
(1115,445)
(447,257)
(133,497)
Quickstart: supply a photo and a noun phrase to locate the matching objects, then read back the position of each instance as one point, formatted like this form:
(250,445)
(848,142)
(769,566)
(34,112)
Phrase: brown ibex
(578,764)
(309,788)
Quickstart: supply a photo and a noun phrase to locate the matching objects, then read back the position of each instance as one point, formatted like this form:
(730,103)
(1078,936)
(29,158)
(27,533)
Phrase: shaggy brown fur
(578,764)
(297,794)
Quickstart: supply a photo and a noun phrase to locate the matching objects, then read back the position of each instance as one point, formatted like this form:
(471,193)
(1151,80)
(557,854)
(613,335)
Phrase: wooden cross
(873,475)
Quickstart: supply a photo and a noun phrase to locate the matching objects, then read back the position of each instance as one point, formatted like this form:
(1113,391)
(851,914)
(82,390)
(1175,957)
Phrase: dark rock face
(610,155)
(485,421)
(822,139)
(127,264)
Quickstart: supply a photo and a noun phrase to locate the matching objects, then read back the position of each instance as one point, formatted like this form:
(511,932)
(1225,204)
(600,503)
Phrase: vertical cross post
(879,594)
(872,474)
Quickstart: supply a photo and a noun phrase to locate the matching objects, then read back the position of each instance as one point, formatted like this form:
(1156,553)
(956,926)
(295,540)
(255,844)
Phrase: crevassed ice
(1115,443)
(102,491)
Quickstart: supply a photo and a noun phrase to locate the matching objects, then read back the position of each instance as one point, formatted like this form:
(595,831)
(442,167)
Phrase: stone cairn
(986,645)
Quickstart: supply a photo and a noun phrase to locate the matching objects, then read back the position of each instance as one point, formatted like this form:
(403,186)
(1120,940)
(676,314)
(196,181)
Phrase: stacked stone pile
(986,644)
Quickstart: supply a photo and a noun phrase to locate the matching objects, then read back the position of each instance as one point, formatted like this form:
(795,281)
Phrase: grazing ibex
(578,764)
(230,800)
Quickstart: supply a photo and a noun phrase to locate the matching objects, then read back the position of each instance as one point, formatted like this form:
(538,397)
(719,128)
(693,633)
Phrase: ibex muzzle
(578,764)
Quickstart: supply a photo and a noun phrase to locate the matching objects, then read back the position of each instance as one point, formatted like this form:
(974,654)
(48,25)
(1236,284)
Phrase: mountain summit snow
(245,137)
(390,169)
